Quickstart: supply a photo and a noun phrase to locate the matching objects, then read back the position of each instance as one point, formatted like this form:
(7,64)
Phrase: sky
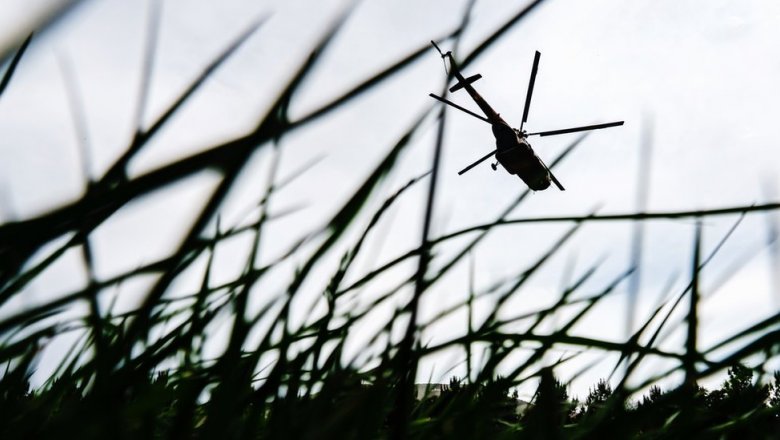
(697,81)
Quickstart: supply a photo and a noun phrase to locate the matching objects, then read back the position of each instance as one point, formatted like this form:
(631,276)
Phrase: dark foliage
(457,410)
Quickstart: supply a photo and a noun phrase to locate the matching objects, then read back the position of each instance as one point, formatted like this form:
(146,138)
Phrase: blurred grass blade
(366,85)
(9,71)
(506,212)
(349,257)
(44,20)
(637,239)
(498,33)
(347,213)
(150,49)
(143,136)
(79,116)
(691,353)
(643,216)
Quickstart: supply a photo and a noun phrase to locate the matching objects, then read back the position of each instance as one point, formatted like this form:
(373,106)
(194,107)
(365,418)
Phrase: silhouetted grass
(144,373)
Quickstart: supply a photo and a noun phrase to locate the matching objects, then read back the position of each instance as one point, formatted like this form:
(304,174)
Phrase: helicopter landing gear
(494,166)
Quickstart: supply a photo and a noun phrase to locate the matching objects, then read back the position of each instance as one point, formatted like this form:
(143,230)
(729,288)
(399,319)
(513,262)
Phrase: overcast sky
(700,77)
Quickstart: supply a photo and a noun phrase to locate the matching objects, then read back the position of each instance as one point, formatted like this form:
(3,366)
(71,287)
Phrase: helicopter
(512,151)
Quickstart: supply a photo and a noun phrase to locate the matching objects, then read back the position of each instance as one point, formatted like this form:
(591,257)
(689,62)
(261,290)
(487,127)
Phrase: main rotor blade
(439,98)
(552,177)
(531,83)
(555,181)
(575,129)
(482,159)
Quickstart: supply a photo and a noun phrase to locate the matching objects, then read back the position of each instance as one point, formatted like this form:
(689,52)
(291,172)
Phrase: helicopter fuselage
(515,154)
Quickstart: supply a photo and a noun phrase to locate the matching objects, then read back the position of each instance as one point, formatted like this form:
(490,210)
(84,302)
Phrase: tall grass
(147,372)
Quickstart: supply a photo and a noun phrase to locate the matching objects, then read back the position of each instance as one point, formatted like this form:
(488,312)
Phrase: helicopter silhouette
(512,151)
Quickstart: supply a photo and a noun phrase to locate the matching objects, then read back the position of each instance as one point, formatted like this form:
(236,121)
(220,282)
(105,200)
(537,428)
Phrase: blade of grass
(639,216)
(9,72)
(691,353)
(45,21)
(637,239)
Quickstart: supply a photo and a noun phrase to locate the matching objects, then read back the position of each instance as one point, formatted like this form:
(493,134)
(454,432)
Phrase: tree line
(356,405)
